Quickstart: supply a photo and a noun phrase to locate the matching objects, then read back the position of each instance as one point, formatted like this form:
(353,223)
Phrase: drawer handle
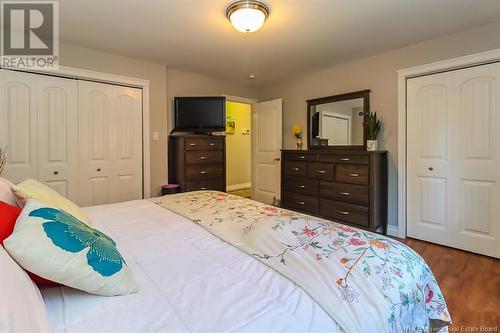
(321,171)
(353,174)
(302,157)
(56,173)
(295,169)
(212,144)
(203,172)
(302,203)
(345,159)
(99,169)
(203,188)
(343,212)
(344,193)
(301,186)
(203,158)
(193,144)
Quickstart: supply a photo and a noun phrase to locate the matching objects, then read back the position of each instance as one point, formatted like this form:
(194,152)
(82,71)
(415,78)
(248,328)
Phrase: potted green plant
(372,127)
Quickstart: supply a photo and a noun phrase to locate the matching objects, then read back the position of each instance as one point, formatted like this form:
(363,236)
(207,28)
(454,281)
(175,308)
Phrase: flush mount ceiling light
(247,15)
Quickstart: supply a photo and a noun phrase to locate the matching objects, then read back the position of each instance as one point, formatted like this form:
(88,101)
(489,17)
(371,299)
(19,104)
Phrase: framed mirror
(336,122)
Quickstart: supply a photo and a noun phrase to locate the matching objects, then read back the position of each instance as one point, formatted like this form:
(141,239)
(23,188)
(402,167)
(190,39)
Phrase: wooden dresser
(349,187)
(197,162)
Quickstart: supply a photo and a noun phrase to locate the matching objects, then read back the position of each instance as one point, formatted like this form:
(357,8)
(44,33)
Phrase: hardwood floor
(245,193)
(470,284)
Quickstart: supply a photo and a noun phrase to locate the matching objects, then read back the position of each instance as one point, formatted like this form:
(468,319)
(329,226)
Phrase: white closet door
(18,124)
(110,154)
(129,143)
(453,148)
(58,135)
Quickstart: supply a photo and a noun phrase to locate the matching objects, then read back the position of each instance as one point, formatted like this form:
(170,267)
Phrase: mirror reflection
(337,123)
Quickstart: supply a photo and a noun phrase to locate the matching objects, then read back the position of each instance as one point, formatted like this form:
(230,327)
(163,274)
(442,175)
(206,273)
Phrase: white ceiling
(299,36)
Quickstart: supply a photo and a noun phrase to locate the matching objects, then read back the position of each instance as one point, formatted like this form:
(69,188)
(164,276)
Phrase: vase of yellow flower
(297,132)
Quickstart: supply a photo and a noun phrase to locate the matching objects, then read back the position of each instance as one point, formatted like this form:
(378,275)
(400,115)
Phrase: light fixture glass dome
(247,16)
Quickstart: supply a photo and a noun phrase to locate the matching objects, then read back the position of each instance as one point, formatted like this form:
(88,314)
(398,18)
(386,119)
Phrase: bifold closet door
(18,124)
(453,159)
(110,136)
(38,127)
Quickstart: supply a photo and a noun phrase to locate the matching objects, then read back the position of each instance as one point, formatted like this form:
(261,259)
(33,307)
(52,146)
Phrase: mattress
(189,281)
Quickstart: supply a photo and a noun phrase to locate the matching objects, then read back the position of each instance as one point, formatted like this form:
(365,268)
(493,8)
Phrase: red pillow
(8,218)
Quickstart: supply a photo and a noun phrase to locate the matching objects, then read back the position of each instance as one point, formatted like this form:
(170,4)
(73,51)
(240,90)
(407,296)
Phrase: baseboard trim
(237,187)
(393,230)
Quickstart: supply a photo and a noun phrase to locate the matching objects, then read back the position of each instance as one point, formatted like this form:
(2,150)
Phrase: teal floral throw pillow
(57,246)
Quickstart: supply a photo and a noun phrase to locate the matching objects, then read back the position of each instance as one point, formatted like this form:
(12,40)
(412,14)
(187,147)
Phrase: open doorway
(239,148)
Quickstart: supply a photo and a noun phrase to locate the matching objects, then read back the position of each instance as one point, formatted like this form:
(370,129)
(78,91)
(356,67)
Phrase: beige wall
(80,57)
(238,145)
(377,73)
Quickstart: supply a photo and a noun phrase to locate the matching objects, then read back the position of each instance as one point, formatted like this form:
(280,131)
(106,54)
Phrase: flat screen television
(199,114)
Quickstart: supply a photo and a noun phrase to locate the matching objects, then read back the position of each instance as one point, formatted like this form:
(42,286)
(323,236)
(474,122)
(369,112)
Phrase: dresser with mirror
(336,178)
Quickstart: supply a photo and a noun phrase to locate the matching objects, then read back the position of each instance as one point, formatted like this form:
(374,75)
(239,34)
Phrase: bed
(191,280)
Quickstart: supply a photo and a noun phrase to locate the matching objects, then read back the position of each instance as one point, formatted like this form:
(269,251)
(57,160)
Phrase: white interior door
(58,134)
(453,152)
(336,128)
(18,124)
(110,156)
(266,150)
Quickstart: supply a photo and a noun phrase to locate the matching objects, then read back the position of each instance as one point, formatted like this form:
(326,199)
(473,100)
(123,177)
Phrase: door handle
(56,173)
(431,168)
(98,169)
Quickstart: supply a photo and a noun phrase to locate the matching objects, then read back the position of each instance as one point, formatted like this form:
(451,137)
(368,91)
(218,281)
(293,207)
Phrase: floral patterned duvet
(364,281)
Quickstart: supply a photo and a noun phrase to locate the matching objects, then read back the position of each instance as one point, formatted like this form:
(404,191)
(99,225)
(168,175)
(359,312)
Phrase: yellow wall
(238,145)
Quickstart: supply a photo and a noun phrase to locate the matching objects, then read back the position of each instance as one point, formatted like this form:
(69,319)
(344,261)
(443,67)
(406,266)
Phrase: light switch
(156,136)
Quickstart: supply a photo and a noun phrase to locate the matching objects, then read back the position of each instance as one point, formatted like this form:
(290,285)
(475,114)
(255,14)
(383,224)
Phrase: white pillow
(21,306)
(55,245)
(33,189)
(6,194)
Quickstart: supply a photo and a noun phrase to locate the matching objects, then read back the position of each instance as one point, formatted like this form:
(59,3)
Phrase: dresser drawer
(344,212)
(298,156)
(320,171)
(294,168)
(357,194)
(301,202)
(204,144)
(301,185)
(349,159)
(202,157)
(212,184)
(200,172)
(353,174)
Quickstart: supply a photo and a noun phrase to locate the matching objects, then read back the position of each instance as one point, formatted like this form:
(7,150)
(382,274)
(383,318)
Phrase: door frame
(250,101)
(476,59)
(100,77)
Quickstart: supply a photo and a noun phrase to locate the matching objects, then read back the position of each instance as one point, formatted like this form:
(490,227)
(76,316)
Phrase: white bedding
(189,281)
